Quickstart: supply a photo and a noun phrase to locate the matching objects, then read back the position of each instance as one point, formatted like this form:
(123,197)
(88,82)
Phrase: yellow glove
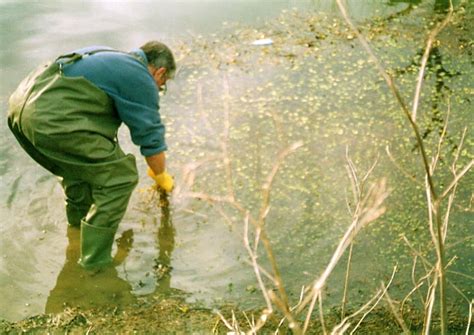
(163,180)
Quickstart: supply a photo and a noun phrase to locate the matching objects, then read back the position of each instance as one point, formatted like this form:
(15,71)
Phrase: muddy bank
(174,315)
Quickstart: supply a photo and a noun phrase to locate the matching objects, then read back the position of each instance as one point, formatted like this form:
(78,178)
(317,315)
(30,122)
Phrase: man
(66,114)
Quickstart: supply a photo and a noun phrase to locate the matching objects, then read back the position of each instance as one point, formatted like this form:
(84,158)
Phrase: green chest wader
(69,126)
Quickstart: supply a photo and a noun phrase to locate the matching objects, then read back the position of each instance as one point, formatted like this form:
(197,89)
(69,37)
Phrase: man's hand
(163,180)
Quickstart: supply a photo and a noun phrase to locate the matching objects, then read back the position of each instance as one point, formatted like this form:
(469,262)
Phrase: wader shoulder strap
(74,57)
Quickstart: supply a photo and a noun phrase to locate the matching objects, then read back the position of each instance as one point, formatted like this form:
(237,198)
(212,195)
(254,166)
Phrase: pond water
(233,100)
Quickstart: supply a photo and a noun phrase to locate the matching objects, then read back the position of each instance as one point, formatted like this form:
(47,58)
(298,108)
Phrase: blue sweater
(133,90)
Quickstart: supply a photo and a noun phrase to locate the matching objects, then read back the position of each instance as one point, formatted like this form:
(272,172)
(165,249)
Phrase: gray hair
(159,55)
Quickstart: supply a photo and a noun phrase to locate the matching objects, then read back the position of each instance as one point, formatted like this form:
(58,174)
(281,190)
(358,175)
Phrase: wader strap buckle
(67,59)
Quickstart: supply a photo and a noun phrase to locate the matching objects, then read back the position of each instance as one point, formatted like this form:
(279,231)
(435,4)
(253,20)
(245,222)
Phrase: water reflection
(166,242)
(76,287)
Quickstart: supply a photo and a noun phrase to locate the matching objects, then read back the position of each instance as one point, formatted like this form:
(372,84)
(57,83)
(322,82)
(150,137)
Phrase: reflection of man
(166,233)
(76,287)
(66,114)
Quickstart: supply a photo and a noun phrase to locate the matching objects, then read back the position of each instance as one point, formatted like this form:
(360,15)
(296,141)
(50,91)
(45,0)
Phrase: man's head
(160,62)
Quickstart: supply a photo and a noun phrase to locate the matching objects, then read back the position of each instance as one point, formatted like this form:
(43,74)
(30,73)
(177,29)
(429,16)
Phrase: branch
(395,313)
(399,167)
(384,290)
(470,317)
(395,92)
(456,179)
(424,60)
(370,210)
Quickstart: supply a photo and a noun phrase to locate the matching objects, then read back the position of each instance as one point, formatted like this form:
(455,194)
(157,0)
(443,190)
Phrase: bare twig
(470,318)
(417,285)
(282,300)
(458,291)
(462,275)
(344,324)
(429,306)
(224,320)
(456,179)
(292,309)
(400,168)
(321,314)
(371,208)
(421,283)
(413,273)
(209,198)
(384,291)
(424,60)
(441,139)
(353,177)
(453,193)
(256,268)
(412,120)
(393,88)
(225,140)
(346,282)
(396,314)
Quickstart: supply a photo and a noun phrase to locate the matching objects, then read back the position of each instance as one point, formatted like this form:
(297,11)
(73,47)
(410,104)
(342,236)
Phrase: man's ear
(160,72)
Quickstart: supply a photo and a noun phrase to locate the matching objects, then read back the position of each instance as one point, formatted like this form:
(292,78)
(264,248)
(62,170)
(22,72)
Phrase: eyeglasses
(163,88)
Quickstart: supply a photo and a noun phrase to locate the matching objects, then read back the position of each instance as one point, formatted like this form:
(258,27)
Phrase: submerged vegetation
(300,148)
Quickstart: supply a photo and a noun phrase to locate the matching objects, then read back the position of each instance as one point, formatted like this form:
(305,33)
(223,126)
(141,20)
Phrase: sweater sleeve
(137,102)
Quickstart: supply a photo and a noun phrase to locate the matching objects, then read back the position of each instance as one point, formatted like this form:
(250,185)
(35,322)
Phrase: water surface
(314,84)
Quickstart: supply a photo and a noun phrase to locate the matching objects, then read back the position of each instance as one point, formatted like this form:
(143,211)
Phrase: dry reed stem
(188,173)
(400,168)
(452,195)
(344,325)
(223,319)
(458,291)
(441,138)
(235,324)
(417,253)
(346,282)
(393,88)
(200,110)
(352,172)
(282,300)
(256,268)
(357,189)
(424,60)
(414,289)
(461,274)
(412,120)
(460,241)
(369,210)
(396,314)
(321,314)
(428,264)
(455,181)
(277,122)
(384,291)
(420,282)
(413,274)
(310,309)
(225,139)
(429,306)
(263,271)
(470,317)
(291,309)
